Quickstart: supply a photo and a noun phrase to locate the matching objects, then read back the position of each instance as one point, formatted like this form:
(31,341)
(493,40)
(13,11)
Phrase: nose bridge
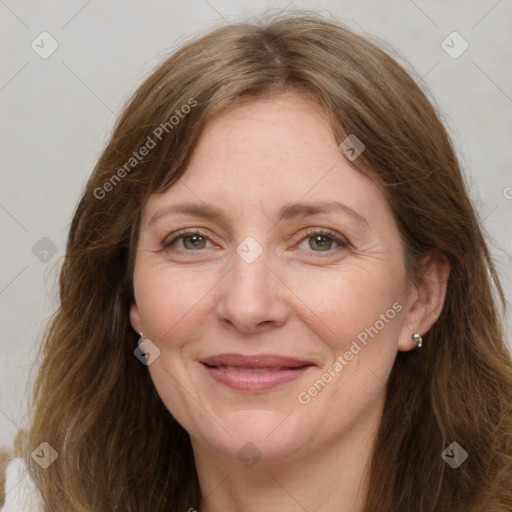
(249,280)
(250,266)
(251,296)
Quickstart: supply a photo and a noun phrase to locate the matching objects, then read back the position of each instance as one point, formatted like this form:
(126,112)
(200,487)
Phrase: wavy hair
(95,403)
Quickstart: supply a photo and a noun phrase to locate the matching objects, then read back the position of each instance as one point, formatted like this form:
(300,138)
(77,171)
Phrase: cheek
(357,319)
(170,301)
(350,304)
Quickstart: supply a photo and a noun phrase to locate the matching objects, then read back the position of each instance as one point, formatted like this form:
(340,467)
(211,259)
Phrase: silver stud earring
(418,339)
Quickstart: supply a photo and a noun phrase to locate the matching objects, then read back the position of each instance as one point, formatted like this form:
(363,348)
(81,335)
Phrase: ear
(425,300)
(135,317)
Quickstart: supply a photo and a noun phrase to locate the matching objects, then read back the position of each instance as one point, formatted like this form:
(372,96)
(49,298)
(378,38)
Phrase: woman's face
(271,279)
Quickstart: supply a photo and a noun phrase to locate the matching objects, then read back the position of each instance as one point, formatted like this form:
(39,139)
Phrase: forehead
(267,152)
(285,129)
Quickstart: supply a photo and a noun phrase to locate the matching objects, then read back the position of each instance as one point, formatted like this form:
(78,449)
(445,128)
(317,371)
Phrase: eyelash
(343,243)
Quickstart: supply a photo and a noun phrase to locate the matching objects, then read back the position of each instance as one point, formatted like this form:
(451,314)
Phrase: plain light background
(57,114)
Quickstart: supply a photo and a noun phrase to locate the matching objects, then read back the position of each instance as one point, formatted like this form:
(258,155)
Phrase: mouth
(254,373)
(254,370)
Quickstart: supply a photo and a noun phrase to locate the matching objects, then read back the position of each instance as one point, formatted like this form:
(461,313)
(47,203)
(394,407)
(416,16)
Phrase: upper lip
(255,361)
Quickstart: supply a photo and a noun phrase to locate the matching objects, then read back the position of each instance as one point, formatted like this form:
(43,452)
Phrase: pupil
(193,240)
(321,241)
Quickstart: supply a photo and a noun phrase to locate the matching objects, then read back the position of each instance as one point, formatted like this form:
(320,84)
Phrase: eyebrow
(287,212)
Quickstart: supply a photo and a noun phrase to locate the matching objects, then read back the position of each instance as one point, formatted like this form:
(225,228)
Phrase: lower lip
(254,382)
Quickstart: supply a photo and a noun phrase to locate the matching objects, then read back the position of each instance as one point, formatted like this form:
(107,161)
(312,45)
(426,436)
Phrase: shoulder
(20,491)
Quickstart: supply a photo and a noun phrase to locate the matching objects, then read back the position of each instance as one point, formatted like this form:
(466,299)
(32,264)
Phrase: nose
(252,297)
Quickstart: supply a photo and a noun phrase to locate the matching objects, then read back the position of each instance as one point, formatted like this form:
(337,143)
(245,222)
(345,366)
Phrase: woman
(276,296)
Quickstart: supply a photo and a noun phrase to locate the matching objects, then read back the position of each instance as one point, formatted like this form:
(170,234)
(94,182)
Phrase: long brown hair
(94,402)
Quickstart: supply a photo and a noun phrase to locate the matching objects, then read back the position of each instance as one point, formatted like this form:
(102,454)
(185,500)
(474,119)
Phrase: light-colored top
(21,494)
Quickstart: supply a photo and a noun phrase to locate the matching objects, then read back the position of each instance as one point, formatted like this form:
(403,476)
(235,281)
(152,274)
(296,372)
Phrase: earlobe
(426,300)
(134,317)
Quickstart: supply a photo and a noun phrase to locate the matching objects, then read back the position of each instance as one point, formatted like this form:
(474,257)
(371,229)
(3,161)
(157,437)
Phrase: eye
(322,240)
(188,240)
(319,240)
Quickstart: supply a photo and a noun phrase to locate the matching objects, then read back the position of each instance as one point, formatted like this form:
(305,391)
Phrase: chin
(256,433)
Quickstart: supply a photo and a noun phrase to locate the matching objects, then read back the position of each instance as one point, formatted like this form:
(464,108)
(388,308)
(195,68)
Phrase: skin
(302,297)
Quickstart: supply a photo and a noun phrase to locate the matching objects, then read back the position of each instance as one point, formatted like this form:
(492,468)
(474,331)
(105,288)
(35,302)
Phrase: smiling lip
(254,373)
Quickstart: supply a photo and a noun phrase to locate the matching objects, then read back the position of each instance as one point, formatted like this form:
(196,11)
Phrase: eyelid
(325,231)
